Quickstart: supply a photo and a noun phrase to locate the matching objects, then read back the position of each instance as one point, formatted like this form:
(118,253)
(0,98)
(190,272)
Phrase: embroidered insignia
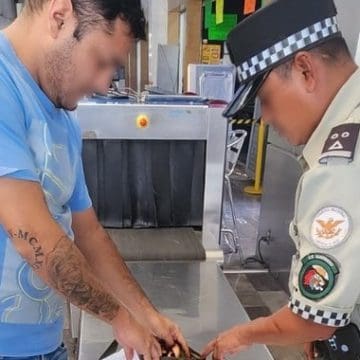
(341,142)
(331,227)
(317,276)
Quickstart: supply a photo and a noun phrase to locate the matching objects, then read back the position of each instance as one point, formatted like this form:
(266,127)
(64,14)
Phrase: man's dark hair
(333,51)
(102,12)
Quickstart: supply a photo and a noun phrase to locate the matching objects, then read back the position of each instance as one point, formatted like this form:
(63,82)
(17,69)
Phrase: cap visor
(243,96)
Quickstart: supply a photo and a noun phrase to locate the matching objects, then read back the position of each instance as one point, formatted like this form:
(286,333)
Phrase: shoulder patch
(341,142)
(331,227)
(317,276)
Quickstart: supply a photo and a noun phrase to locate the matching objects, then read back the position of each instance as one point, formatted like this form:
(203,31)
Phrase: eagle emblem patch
(330,227)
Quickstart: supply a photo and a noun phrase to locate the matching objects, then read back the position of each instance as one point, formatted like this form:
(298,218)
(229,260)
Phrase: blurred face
(289,104)
(75,68)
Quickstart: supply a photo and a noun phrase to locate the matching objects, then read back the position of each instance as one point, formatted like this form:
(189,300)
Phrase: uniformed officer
(291,54)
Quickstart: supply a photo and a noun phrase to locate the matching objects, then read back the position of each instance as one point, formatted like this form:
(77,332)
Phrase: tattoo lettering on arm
(32,240)
(67,272)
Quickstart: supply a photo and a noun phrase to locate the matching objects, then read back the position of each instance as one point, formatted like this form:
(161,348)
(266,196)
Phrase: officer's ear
(305,69)
(60,14)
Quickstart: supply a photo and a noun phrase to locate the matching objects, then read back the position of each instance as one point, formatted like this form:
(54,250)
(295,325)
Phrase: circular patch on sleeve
(331,227)
(317,276)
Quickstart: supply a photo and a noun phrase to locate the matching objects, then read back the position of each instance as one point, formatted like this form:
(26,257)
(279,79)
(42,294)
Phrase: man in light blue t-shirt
(56,52)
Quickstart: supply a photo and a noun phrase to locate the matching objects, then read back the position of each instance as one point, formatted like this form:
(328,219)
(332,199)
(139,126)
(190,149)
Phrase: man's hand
(163,328)
(227,343)
(132,336)
(110,268)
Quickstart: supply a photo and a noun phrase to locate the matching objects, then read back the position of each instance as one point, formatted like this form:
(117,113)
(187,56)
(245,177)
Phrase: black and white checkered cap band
(287,47)
(336,319)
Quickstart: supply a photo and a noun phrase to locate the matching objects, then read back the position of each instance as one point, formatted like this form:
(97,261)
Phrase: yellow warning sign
(211,54)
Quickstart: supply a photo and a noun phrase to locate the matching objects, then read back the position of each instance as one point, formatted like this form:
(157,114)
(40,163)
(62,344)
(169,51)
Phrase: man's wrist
(121,318)
(148,310)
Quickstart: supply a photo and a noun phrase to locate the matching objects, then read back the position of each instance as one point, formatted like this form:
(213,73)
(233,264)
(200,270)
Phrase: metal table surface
(194,294)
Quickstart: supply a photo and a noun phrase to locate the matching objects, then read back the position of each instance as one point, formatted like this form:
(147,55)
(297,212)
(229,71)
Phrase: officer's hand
(132,336)
(227,343)
(163,328)
(310,351)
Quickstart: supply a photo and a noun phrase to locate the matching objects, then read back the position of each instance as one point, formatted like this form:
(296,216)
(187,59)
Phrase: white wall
(156,12)
(145,5)
(349,21)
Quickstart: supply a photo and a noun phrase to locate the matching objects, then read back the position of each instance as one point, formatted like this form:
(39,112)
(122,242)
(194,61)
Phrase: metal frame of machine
(169,122)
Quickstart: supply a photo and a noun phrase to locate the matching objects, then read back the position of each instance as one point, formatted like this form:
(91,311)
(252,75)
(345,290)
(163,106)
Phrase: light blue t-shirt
(41,143)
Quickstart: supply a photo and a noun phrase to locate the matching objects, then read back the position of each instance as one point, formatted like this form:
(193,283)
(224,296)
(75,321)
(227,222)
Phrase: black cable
(258,258)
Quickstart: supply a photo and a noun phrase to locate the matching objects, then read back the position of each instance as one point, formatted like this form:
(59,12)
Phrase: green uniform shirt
(325,274)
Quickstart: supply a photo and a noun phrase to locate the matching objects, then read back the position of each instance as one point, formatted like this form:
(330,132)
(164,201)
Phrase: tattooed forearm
(109,266)
(68,273)
(38,254)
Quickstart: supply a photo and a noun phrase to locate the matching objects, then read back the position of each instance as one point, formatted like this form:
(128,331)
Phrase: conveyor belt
(146,183)
(158,244)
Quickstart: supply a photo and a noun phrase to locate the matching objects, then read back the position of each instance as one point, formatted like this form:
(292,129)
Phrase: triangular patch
(336,146)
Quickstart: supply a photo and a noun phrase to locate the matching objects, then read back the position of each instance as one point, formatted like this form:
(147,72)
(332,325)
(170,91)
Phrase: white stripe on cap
(287,47)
